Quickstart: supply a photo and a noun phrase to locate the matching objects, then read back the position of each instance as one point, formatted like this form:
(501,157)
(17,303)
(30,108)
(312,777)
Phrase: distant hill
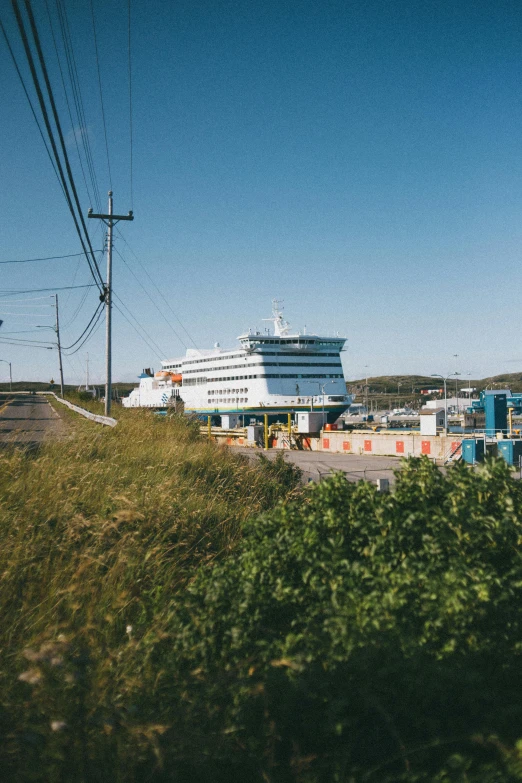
(389,384)
(123,388)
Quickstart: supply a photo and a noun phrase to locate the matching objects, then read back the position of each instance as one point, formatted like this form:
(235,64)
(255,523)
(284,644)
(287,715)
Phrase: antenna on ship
(281,326)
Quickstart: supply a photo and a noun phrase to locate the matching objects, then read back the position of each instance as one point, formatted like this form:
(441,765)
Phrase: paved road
(27,421)
(317,464)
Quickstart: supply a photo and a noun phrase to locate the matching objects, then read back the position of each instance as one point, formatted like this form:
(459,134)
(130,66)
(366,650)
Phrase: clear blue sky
(359,160)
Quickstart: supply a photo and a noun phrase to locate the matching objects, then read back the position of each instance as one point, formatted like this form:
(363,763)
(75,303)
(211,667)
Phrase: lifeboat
(166,375)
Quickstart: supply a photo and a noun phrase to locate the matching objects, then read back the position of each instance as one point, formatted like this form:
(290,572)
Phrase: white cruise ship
(268,373)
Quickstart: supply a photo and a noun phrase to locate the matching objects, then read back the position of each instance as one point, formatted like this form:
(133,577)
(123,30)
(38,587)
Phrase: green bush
(357,637)
(348,636)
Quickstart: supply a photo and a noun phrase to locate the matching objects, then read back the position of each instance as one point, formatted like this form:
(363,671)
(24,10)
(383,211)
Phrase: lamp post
(56,330)
(445,379)
(10,374)
(322,387)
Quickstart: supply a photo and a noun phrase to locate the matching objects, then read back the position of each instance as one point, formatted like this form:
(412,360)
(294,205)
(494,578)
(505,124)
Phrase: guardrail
(107,420)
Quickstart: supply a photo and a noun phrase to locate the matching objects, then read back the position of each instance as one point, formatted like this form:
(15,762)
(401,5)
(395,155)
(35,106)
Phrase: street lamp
(56,330)
(445,379)
(10,374)
(322,387)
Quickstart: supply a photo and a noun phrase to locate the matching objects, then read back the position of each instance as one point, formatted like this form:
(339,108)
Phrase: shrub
(345,636)
(355,637)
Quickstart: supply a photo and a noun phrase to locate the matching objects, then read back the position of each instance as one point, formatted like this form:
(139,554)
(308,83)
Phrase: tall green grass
(99,535)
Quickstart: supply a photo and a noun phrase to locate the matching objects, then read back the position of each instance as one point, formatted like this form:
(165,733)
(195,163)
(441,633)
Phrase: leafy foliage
(358,637)
(348,636)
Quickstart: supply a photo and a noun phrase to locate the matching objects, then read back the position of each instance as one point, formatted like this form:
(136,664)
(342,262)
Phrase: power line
(26,345)
(151,299)
(96,312)
(9,292)
(101,92)
(30,104)
(77,95)
(160,293)
(77,311)
(157,352)
(43,108)
(30,299)
(44,258)
(43,66)
(67,98)
(94,328)
(27,340)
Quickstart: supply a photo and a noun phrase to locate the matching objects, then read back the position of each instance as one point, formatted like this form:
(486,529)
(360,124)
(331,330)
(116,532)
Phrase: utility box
(495,407)
(511,450)
(431,419)
(309,422)
(255,434)
(229,421)
(472,450)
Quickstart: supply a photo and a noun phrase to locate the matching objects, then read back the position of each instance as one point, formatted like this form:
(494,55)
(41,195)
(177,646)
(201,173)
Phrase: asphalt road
(316,465)
(27,420)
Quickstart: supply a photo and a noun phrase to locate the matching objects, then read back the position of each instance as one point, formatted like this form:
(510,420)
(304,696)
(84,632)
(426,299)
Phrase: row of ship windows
(199,361)
(227,399)
(226,391)
(258,340)
(268,364)
(204,380)
(241,355)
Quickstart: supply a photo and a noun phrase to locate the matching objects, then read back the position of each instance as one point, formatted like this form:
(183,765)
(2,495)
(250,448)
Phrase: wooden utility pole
(58,344)
(110,220)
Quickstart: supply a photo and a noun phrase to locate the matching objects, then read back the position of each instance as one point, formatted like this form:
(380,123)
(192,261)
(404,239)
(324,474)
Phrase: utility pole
(87,375)
(110,220)
(59,346)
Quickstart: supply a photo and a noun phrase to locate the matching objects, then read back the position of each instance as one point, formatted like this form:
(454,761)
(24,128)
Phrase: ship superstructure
(279,372)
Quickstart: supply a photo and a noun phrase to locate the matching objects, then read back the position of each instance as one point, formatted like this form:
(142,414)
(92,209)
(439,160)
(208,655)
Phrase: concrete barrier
(440,448)
(107,420)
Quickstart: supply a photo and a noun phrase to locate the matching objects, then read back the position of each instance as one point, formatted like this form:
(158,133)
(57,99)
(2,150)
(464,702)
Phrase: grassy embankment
(99,533)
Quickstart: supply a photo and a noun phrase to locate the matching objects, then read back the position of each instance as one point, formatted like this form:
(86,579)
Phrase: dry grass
(98,534)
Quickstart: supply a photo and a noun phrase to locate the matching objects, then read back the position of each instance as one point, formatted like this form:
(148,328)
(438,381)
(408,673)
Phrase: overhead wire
(14,291)
(50,94)
(101,92)
(160,293)
(43,258)
(67,99)
(77,96)
(84,294)
(27,340)
(30,299)
(91,333)
(96,312)
(78,309)
(139,328)
(30,104)
(26,345)
(150,297)
(50,133)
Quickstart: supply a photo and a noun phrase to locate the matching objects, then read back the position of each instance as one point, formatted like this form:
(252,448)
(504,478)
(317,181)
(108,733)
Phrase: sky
(358,160)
